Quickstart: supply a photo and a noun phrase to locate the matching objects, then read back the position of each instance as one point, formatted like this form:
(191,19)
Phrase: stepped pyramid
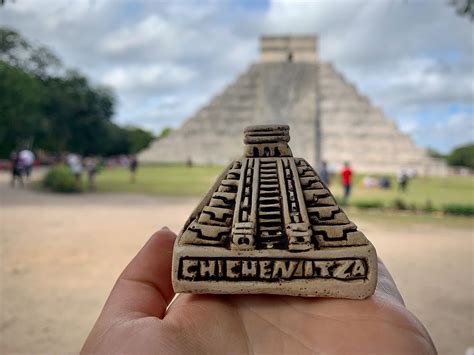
(270,225)
(289,85)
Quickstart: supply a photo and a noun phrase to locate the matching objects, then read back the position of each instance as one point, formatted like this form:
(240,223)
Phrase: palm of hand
(261,324)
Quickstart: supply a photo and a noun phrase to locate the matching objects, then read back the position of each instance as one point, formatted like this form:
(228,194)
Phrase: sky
(413,59)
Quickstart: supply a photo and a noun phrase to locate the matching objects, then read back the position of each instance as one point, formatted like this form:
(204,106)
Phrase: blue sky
(414,59)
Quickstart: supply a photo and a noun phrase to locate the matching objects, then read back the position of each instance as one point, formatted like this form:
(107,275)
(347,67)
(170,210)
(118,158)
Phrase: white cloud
(444,135)
(165,59)
(152,31)
(55,13)
(408,124)
(142,78)
(419,82)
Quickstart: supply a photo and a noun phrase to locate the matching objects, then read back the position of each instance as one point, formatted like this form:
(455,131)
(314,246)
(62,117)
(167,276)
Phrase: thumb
(144,287)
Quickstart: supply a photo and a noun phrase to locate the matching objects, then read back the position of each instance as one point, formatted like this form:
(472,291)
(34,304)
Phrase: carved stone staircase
(270,219)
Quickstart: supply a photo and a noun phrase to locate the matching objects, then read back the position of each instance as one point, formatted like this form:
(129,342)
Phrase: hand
(135,319)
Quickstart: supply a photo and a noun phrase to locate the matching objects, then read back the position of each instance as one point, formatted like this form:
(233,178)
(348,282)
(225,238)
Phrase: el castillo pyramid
(290,85)
(270,225)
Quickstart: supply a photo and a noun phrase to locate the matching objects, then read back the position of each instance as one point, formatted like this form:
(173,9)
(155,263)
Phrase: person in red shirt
(346,179)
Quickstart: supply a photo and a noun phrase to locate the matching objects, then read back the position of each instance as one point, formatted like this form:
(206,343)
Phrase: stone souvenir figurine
(270,225)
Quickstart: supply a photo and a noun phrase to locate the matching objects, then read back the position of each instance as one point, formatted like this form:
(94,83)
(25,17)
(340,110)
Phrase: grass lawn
(179,180)
(164,180)
(438,190)
(403,219)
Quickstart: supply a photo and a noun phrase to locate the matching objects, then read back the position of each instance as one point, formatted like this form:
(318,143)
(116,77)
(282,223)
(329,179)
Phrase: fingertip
(164,235)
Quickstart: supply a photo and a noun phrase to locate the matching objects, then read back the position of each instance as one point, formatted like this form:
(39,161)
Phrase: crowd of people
(346,176)
(92,165)
(22,162)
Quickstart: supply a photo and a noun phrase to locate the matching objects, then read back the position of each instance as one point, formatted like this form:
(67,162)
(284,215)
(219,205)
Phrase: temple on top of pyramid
(288,49)
(291,85)
(269,224)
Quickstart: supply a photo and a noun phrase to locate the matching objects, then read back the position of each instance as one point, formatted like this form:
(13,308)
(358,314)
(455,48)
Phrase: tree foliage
(462,156)
(18,52)
(21,103)
(464,8)
(45,106)
(435,154)
(138,139)
(165,132)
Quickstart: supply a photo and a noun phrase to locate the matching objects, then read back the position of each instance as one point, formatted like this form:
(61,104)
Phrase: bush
(461,210)
(368,204)
(462,156)
(399,204)
(60,179)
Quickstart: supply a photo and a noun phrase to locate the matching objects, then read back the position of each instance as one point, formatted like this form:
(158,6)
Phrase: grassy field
(167,180)
(178,180)
(439,191)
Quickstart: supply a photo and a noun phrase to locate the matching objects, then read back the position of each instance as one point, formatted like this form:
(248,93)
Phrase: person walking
(75,164)
(402,178)
(324,173)
(91,166)
(346,179)
(132,166)
(27,157)
(17,169)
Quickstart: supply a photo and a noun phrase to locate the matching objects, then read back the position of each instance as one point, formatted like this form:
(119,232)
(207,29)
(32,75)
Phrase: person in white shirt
(27,158)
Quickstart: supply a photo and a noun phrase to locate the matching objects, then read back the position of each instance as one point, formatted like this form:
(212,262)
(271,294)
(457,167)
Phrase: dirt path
(60,255)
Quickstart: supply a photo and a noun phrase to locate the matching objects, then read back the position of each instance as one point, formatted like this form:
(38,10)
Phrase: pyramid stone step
(270,206)
(271,198)
(269,181)
(269,187)
(270,215)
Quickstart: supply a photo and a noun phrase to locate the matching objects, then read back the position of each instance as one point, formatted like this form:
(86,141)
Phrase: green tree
(462,156)
(44,106)
(435,154)
(21,116)
(464,7)
(18,52)
(165,132)
(138,139)
(79,115)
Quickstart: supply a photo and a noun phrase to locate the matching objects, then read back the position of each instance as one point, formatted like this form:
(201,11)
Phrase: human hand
(135,319)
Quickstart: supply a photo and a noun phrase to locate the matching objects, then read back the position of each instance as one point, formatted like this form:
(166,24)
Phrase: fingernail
(165,228)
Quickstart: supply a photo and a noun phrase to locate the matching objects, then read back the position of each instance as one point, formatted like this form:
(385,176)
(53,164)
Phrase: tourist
(346,179)
(28,158)
(75,165)
(369,182)
(132,166)
(91,168)
(17,169)
(402,178)
(189,162)
(138,319)
(324,173)
(384,182)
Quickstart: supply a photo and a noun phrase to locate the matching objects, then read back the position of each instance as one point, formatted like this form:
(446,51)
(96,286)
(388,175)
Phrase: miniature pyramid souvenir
(270,225)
